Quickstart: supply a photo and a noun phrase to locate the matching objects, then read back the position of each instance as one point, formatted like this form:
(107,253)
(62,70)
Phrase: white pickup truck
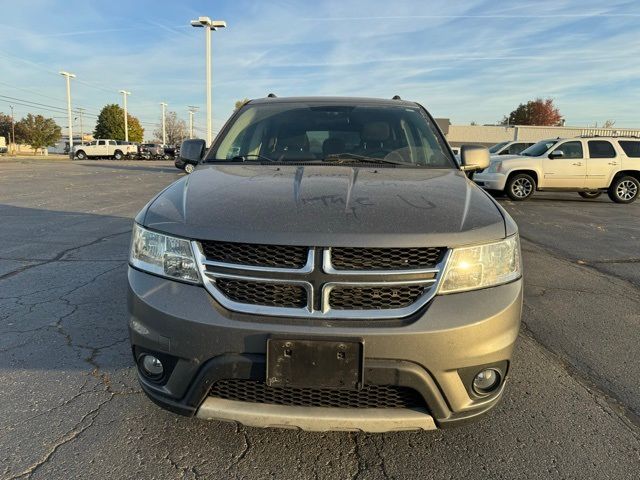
(105,149)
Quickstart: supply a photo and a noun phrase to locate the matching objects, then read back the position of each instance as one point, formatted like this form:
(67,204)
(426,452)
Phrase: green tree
(5,126)
(240,103)
(534,112)
(38,131)
(110,124)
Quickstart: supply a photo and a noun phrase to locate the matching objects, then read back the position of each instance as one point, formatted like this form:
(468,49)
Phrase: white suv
(587,165)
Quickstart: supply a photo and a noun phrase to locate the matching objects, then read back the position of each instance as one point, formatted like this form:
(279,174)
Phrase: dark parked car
(150,151)
(328,265)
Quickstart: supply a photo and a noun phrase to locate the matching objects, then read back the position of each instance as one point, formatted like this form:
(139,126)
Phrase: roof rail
(396,97)
(596,135)
(272,95)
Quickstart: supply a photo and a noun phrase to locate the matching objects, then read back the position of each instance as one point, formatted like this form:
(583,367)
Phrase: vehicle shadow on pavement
(164,168)
(71,405)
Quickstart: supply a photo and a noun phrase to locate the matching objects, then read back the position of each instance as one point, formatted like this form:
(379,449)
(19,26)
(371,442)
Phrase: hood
(321,205)
(503,157)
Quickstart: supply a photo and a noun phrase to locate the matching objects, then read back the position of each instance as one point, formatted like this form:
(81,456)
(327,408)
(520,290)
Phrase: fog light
(486,381)
(152,366)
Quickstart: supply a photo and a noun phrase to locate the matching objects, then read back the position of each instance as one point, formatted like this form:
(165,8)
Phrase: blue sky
(469,60)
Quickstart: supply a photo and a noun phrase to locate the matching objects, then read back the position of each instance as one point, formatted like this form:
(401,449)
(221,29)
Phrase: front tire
(117,155)
(590,195)
(520,187)
(624,189)
(80,155)
(188,168)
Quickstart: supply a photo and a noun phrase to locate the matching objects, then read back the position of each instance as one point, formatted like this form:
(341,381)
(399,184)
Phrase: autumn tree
(110,124)
(534,112)
(175,128)
(37,131)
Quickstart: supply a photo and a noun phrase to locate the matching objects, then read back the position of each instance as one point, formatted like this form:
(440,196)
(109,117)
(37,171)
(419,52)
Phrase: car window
(100,142)
(516,148)
(631,148)
(601,149)
(321,132)
(539,148)
(496,147)
(570,149)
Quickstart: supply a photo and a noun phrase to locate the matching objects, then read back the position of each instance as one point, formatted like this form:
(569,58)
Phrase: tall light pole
(13,133)
(208,25)
(164,128)
(126,125)
(192,109)
(69,76)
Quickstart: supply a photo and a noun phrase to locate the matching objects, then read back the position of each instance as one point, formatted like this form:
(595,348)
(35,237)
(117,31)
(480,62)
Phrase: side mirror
(192,151)
(556,154)
(474,157)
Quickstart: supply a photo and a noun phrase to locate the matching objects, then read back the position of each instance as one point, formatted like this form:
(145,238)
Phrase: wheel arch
(623,173)
(518,171)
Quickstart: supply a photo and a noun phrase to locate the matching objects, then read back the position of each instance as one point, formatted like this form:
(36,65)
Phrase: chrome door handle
(613,163)
(578,164)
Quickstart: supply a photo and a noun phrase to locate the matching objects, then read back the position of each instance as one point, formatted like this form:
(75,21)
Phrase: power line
(41,105)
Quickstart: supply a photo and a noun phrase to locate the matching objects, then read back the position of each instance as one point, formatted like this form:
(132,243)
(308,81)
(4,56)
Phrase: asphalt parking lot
(71,407)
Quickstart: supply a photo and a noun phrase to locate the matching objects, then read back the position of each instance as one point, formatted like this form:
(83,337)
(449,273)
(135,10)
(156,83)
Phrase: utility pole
(126,125)
(13,133)
(192,109)
(164,128)
(80,112)
(208,25)
(69,76)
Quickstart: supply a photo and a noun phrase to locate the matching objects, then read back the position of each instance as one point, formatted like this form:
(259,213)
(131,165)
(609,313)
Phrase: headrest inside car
(375,132)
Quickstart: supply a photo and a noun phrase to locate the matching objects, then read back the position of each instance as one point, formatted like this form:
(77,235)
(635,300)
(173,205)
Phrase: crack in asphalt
(583,376)
(68,437)
(60,255)
(591,265)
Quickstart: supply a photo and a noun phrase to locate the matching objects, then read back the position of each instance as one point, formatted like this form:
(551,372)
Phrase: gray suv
(327,266)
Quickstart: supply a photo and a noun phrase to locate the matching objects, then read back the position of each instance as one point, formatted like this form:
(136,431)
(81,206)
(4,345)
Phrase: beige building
(491,134)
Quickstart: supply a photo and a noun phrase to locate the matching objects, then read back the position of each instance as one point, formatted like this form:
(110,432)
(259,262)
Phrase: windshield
(497,147)
(317,132)
(539,148)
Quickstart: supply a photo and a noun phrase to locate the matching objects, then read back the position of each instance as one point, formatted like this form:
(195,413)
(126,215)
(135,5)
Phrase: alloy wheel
(522,188)
(626,190)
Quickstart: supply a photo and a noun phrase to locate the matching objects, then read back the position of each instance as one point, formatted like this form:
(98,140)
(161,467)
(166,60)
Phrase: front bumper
(490,181)
(427,352)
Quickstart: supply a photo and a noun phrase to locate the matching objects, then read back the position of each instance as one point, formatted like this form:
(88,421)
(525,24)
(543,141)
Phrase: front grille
(263,293)
(374,298)
(371,396)
(349,258)
(274,256)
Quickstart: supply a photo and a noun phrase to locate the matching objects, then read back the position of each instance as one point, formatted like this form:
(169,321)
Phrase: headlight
(482,266)
(163,255)
(494,167)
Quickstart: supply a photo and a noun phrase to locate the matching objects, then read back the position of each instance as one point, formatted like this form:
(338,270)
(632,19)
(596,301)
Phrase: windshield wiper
(353,157)
(251,156)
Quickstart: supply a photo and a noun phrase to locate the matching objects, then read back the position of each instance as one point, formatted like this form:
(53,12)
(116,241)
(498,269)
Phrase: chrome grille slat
(356,293)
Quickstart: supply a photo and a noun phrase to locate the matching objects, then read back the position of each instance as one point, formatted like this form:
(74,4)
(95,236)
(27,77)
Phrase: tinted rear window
(631,148)
(601,149)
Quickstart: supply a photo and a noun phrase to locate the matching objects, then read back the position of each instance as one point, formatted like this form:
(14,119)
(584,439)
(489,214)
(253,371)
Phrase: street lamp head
(67,74)
(124,92)
(207,22)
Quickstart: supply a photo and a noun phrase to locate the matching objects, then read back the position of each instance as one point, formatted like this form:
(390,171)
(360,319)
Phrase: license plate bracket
(318,363)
